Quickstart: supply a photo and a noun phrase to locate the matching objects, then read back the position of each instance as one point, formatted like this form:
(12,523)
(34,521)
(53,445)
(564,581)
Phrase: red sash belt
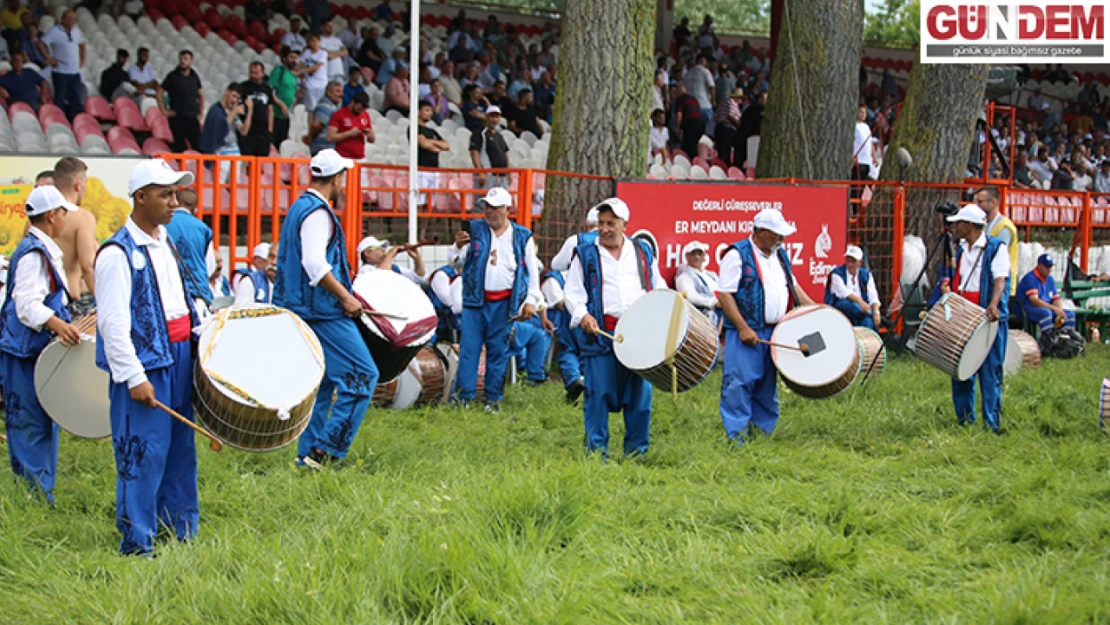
(611,323)
(971,296)
(179,329)
(497,296)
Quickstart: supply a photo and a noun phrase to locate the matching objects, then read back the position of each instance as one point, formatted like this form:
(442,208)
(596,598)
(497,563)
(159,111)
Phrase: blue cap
(1044,259)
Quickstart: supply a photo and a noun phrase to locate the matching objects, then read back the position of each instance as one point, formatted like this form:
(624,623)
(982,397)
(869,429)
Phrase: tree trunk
(936,126)
(602,109)
(811,111)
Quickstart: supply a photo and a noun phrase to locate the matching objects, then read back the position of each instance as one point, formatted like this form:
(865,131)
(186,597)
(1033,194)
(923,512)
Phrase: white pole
(414,111)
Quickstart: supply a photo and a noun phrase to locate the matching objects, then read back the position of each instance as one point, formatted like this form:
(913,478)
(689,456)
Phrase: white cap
(854,251)
(971,213)
(498,197)
(493,109)
(591,215)
(156,171)
(617,205)
(45,199)
(694,246)
(262,250)
(329,163)
(772,219)
(370,243)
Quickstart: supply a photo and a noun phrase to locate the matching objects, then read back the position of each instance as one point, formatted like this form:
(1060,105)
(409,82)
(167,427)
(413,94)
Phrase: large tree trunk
(936,126)
(811,111)
(602,109)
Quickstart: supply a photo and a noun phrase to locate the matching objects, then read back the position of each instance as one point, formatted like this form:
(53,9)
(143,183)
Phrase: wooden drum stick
(616,339)
(214,443)
(800,348)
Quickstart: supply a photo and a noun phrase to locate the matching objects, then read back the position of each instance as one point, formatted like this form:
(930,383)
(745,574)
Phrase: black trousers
(725,143)
(186,130)
(255,144)
(281,131)
(692,131)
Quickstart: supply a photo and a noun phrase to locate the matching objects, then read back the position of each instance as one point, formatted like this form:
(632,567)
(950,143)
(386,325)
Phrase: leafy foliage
(897,24)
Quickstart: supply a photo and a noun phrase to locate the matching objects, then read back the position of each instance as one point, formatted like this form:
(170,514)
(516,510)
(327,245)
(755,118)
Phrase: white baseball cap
(617,206)
(772,219)
(591,216)
(694,246)
(971,213)
(498,197)
(370,243)
(45,199)
(329,163)
(854,251)
(262,250)
(156,171)
(493,109)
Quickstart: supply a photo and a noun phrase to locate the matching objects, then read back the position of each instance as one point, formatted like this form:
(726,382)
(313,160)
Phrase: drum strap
(975,267)
(672,339)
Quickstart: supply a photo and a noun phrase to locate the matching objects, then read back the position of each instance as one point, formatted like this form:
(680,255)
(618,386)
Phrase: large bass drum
(394,340)
(955,337)
(835,354)
(644,331)
(873,351)
(1022,352)
(71,388)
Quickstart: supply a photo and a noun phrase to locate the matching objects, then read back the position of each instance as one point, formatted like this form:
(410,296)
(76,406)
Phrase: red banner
(673,214)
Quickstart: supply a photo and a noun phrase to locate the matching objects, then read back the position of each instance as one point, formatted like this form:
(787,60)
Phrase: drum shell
(390,360)
(850,370)
(248,431)
(694,356)
(432,373)
(384,393)
(941,342)
(1026,347)
(833,388)
(873,349)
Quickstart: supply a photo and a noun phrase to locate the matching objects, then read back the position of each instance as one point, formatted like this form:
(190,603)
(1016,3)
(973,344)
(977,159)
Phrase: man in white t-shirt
(66,54)
(142,75)
(293,38)
(315,61)
(700,84)
(862,148)
(659,136)
(1043,167)
(335,49)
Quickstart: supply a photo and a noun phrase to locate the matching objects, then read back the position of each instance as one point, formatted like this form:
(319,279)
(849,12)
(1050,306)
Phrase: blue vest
(291,288)
(262,294)
(436,302)
(192,238)
(842,271)
(986,277)
(396,269)
(15,338)
(474,270)
(556,276)
(149,333)
(225,286)
(749,293)
(589,257)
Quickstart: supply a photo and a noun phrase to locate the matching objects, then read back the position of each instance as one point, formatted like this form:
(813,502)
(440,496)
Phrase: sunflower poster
(12,219)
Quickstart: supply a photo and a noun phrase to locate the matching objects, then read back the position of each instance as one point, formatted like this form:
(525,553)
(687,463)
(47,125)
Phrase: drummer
(553,289)
(622,266)
(851,290)
(447,299)
(497,286)
(144,325)
(374,253)
(757,289)
(983,278)
(561,261)
(698,284)
(32,315)
(193,239)
(252,285)
(314,282)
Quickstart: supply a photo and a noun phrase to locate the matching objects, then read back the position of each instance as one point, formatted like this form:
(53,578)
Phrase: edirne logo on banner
(1005,31)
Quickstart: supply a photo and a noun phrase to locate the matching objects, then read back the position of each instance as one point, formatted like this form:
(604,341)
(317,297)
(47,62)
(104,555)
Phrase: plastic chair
(154,146)
(99,108)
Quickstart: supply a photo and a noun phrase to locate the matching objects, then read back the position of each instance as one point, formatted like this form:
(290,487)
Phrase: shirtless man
(78,235)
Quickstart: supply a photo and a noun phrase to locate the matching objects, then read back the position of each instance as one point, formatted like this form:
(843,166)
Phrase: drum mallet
(214,443)
(616,339)
(802,347)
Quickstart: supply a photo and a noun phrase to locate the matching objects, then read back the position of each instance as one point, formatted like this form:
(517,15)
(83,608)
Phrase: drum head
(452,357)
(1014,357)
(408,389)
(815,325)
(73,390)
(389,292)
(275,359)
(976,350)
(644,327)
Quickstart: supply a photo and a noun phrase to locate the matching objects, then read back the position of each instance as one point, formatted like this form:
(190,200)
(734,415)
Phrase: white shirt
(971,267)
(350,39)
(319,78)
(861,147)
(620,287)
(32,283)
(294,40)
(776,295)
(245,293)
(842,291)
(502,264)
(405,271)
(658,138)
(448,290)
(143,76)
(113,299)
(686,283)
(552,292)
(316,230)
(561,262)
(333,44)
(65,49)
(217,286)
(698,81)
(1042,171)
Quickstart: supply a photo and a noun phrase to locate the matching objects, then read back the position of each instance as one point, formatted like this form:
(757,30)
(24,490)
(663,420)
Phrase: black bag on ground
(1062,343)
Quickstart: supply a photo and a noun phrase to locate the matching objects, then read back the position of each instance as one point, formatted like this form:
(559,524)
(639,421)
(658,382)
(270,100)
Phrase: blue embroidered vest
(474,270)
(436,302)
(291,287)
(262,294)
(986,279)
(149,333)
(15,338)
(842,271)
(589,256)
(749,293)
(225,287)
(192,237)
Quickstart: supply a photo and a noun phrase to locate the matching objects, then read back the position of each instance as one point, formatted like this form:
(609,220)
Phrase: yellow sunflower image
(111,211)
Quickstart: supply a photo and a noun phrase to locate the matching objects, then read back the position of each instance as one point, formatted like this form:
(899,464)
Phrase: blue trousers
(156,457)
(530,347)
(32,435)
(68,93)
(749,389)
(489,326)
(990,382)
(567,351)
(858,316)
(351,375)
(1046,319)
(611,387)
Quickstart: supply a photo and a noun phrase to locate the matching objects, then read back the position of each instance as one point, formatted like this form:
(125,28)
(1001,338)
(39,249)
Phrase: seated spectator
(473,108)
(5,51)
(27,41)
(24,85)
(452,90)
(1040,301)
(543,94)
(113,78)
(353,86)
(397,92)
(1083,180)
(1102,179)
(13,13)
(523,116)
(142,75)
(520,82)
(440,109)
(317,137)
(1064,178)
(499,98)
(396,60)
(1023,178)
(350,37)
(659,138)
(350,129)
(383,12)
(293,38)
(255,11)
(1043,168)
(851,290)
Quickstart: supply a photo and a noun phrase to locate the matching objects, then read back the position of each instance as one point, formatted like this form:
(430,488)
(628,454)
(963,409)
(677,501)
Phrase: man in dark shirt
(23,85)
(499,98)
(114,76)
(524,117)
(428,146)
(259,100)
(544,95)
(488,150)
(182,85)
(689,120)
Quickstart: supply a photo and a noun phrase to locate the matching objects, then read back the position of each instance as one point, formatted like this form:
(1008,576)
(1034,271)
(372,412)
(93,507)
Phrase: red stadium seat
(20,106)
(99,108)
(52,114)
(155,14)
(154,146)
(201,28)
(179,22)
(213,19)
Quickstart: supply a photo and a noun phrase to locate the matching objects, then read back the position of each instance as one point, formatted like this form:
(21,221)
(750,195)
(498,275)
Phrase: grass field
(873,507)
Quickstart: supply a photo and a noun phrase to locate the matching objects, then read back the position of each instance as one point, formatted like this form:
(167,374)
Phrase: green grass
(873,507)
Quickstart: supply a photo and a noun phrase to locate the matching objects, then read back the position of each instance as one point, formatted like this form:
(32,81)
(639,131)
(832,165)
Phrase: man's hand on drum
(992,312)
(527,312)
(67,333)
(461,238)
(945,286)
(876,318)
(748,336)
(547,325)
(352,307)
(589,325)
(144,394)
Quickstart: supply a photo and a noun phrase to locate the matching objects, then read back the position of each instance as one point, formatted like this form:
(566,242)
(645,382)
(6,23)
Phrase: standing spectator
(863,148)
(523,116)
(350,37)
(370,54)
(474,105)
(314,62)
(700,84)
(294,39)
(681,33)
(24,85)
(183,87)
(317,137)
(350,129)
(397,92)
(428,146)
(726,82)
(353,86)
(259,99)
(316,11)
(64,49)
(113,78)
(707,39)
(728,124)
(284,82)
(223,126)
(659,138)
(383,12)
(488,150)
(751,122)
(142,75)
(659,91)
(440,108)
(334,47)
(255,11)
(689,120)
